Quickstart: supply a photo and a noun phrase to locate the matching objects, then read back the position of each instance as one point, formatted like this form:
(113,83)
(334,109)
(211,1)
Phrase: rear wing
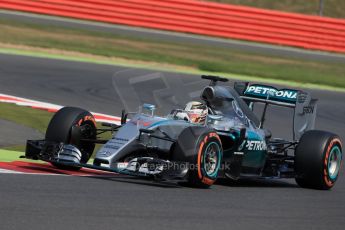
(303,104)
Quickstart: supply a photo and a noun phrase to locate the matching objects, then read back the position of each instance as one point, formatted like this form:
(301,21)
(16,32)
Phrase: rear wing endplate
(304,105)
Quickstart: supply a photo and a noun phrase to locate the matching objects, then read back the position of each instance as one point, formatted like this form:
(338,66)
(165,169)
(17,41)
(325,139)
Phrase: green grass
(332,8)
(33,118)
(17,148)
(9,156)
(206,58)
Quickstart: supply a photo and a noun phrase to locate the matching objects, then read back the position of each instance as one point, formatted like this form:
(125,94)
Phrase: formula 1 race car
(218,137)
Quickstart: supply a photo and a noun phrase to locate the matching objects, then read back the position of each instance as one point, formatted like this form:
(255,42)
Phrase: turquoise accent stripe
(254,136)
(159,123)
(335,150)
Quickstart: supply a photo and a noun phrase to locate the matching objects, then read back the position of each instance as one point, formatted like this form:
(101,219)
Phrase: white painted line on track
(5,171)
(100,117)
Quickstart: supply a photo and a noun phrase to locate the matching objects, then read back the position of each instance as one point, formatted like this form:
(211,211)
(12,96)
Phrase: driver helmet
(196,112)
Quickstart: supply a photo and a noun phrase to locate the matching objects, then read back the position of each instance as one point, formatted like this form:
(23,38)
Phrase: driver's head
(196,112)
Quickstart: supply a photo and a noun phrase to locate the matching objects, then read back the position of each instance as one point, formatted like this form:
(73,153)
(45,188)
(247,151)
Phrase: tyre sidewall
(203,143)
(190,147)
(312,157)
(60,127)
(329,182)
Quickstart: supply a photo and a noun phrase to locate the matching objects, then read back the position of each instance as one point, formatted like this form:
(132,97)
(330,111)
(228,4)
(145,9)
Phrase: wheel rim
(211,159)
(86,147)
(334,161)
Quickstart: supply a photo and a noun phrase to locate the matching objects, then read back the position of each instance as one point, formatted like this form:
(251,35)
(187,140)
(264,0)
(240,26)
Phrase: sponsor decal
(104,153)
(141,123)
(122,165)
(112,146)
(120,139)
(115,147)
(256,145)
(302,97)
(240,148)
(87,118)
(271,92)
(308,109)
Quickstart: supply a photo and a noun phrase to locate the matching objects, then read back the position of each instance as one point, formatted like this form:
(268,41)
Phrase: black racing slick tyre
(202,149)
(69,126)
(318,159)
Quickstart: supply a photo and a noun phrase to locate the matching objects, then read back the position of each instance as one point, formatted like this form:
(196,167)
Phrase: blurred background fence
(199,17)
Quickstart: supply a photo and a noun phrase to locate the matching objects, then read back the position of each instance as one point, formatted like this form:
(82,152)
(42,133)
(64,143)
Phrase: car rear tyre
(318,160)
(69,126)
(202,149)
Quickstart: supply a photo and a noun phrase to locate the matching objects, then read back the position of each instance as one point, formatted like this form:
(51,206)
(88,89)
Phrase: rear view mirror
(150,108)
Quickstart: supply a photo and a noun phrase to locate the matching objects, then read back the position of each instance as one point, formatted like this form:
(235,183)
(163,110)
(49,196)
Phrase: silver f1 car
(223,139)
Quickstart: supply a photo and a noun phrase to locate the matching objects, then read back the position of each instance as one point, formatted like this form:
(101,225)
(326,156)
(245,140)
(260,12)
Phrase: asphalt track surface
(65,202)
(11,129)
